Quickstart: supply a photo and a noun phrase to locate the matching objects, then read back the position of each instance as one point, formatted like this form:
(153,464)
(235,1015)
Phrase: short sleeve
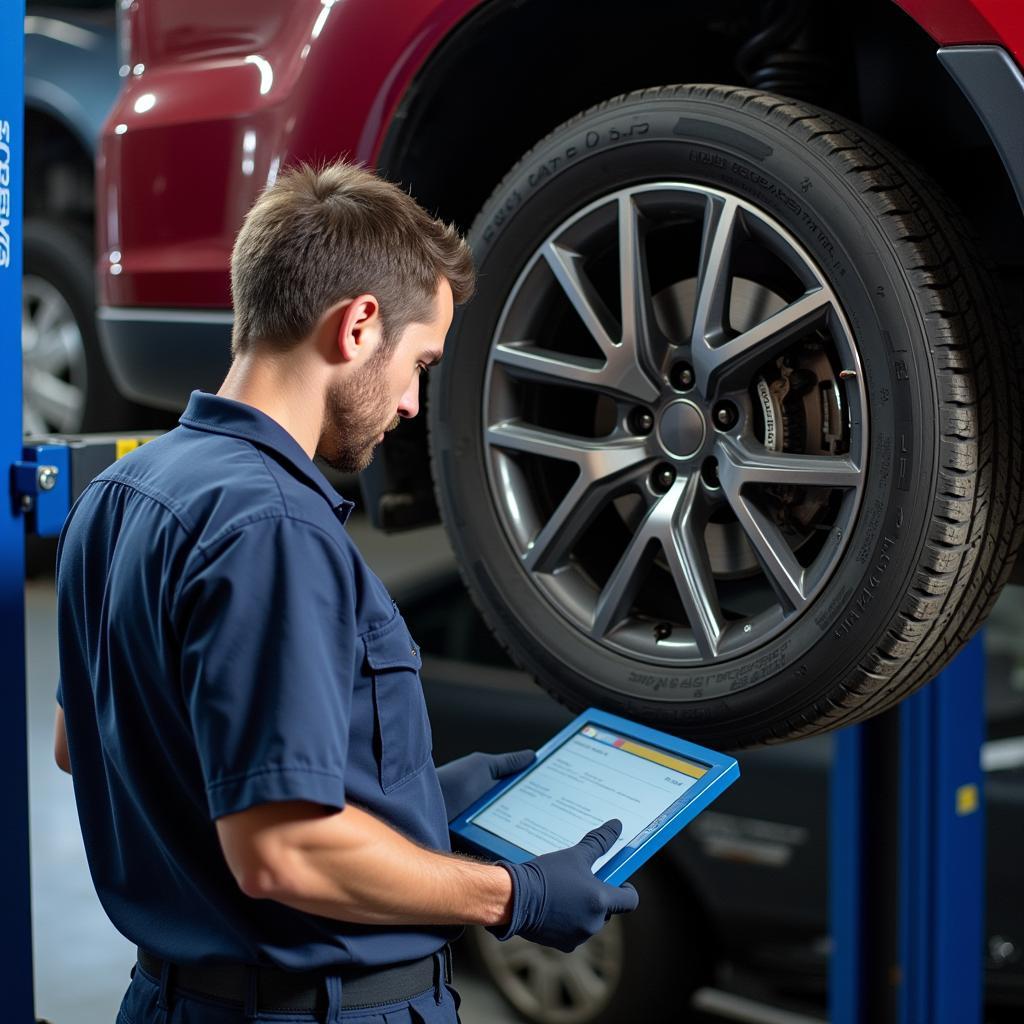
(60,694)
(266,618)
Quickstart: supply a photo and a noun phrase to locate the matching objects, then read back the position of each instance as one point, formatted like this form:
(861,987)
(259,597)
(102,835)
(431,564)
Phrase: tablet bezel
(722,771)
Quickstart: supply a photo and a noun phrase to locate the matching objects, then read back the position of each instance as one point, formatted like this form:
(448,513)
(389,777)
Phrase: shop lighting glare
(266,72)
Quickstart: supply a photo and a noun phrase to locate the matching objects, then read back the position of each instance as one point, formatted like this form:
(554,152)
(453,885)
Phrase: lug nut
(681,376)
(641,421)
(725,415)
(663,478)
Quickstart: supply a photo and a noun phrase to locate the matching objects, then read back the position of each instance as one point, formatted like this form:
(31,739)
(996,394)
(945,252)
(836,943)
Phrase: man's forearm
(352,867)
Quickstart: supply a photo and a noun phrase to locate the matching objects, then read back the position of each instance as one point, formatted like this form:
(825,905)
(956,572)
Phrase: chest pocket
(402,730)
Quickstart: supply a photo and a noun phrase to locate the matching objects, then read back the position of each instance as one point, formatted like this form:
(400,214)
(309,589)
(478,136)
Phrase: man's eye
(424,370)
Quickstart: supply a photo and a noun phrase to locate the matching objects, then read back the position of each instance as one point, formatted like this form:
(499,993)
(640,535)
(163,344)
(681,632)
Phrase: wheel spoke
(691,569)
(575,512)
(784,572)
(47,315)
(29,335)
(621,374)
(32,421)
(529,362)
(57,402)
(740,464)
(714,274)
(626,579)
(598,457)
(521,955)
(566,266)
(605,468)
(640,331)
(546,986)
(585,988)
(714,364)
(675,523)
(52,352)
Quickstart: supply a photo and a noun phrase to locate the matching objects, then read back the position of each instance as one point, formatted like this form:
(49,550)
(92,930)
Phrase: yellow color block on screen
(677,764)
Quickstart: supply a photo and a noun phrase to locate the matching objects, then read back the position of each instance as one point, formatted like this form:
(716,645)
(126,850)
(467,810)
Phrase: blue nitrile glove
(465,780)
(557,901)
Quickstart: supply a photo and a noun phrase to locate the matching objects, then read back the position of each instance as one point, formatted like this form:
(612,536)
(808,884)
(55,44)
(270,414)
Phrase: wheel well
(513,71)
(58,171)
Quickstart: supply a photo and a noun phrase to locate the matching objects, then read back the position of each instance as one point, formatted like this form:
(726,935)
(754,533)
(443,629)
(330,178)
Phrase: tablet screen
(595,775)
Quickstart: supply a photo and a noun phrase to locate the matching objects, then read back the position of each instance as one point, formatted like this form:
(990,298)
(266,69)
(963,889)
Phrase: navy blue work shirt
(223,644)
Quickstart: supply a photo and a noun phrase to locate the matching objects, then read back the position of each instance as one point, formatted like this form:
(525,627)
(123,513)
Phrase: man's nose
(409,403)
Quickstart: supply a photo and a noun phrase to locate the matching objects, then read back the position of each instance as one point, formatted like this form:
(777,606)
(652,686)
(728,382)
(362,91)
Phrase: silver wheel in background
(54,371)
(550,987)
(676,424)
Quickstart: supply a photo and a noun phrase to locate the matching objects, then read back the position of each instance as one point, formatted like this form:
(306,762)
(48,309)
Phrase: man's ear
(358,328)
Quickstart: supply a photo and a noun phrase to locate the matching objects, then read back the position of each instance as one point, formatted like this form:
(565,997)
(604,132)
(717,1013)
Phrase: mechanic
(239,702)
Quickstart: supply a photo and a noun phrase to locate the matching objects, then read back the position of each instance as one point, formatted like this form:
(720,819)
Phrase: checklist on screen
(595,775)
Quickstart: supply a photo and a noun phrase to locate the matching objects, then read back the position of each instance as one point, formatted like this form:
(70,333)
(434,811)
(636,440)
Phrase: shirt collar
(219,415)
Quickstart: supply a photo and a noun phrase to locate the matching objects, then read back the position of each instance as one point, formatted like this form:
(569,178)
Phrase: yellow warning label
(966,799)
(129,444)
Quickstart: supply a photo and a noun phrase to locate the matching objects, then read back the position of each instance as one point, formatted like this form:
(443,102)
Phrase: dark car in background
(739,901)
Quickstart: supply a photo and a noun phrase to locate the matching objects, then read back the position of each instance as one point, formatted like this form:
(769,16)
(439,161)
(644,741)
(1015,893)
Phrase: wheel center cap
(681,428)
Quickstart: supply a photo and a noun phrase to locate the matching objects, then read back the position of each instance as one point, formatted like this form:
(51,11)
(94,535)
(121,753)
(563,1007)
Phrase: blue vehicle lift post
(906,862)
(15,907)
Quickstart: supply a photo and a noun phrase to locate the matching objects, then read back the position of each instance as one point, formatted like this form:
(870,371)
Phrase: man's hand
(557,901)
(465,780)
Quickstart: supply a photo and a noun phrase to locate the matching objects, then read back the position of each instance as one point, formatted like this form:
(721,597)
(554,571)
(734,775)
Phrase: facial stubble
(355,414)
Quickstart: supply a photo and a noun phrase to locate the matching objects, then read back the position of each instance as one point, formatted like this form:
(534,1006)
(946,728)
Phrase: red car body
(224,109)
(218,97)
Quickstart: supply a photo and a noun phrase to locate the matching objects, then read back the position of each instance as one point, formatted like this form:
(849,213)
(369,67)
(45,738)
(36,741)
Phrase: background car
(71,79)
(729,439)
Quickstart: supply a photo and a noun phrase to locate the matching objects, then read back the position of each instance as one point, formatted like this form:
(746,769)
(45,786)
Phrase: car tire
(68,389)
(642,966)
(784,489)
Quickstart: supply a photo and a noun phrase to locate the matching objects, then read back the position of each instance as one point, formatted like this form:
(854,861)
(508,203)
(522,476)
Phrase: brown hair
(319,235)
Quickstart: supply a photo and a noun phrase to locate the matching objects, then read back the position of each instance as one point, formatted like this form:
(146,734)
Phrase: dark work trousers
(152,1000)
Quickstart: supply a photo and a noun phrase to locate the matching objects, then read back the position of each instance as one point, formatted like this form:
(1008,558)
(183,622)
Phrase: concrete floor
(82,963)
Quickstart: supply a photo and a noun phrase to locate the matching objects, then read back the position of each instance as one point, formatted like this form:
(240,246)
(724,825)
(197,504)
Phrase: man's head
(338,264)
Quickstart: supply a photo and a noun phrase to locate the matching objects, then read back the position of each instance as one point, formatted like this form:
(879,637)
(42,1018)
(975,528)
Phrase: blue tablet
(599,767)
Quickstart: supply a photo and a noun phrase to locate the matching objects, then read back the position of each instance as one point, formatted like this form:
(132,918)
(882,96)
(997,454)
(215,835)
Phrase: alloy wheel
(675,422)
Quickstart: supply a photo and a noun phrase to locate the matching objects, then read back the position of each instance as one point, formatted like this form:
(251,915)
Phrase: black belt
(303,991)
